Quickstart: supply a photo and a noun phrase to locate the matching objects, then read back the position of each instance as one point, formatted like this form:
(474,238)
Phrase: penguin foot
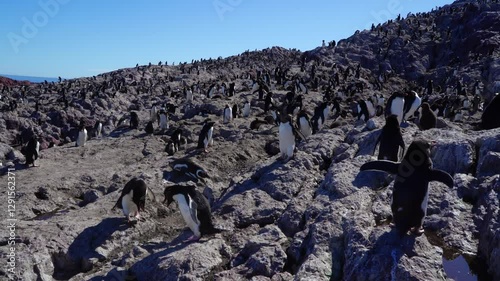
(417,230)
(193,238)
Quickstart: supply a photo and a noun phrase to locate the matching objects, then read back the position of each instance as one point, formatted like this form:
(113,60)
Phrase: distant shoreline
(31,79)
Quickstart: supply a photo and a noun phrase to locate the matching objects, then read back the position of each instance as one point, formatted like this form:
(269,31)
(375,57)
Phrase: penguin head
(418,154)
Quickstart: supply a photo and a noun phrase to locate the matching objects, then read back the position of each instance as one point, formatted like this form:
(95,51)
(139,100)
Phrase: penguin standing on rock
(134,120)
(98,129)
(287,135)
(133,198)
(411,186)
(227,115)
(150,128)
(428,119)
(390,140)
(32,151)
(246,109)
(194,208)
(163,120)
(82,135)
(304,124)
(205,138)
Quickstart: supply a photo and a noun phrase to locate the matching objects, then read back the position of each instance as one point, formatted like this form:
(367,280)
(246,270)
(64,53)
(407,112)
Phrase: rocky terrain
(315,217)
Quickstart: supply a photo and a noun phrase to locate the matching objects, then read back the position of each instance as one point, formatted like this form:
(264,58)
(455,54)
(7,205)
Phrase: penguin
(134,120)
(390,140)
(171,148)
(411,186)
(205,138)
(190,168)
(255,124)
(269,102)
(227,115)
(189,96)
(318,119)
(149,128)
(286,135)
(211,91)
(395,106)
(133,198)
(428,119)
(246,109)
(163,120)
(176,138)
(304,124)
(411,104)
(489,119)
(82,136)
(235,111)
(32,151)
(98,129)
(153,114)
(194,208)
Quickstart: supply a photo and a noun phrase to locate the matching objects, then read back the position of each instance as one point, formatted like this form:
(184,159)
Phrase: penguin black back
(490,118)
(390,140)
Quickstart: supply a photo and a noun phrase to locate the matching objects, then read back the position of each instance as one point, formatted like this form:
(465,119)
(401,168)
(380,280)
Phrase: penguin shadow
(85,244)
(118,132)
(176,177)
(375,180)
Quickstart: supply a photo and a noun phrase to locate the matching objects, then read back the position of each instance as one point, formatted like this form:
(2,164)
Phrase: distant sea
(30,78)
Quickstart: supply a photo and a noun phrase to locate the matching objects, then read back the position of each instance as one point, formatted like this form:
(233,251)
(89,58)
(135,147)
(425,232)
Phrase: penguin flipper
(381,165)
(441,176)
(193,207)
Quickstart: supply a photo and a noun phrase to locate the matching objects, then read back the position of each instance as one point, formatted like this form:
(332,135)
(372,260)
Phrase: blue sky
(75,38)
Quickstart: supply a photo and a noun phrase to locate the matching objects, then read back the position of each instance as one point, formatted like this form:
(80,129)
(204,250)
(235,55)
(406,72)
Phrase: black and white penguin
(227,114)
(98,129)
(256,124)
(304,124)
(190,168)
(176,138)
(428,119)
(287,134)
(395,106)
(153,114)
(32,151)
(189,96)
(134,120)
(205,138)
(235,110)
(269,102)
(194,208)
(171,148)
(366,109)
(211,91)
(412,103)
(411,186)
(163,120)
(246,109)
(490,118)
(390,140)
(133,198)
(150,128)
(82,136)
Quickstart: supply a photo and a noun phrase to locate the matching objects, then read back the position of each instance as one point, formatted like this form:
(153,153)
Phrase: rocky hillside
(314,217)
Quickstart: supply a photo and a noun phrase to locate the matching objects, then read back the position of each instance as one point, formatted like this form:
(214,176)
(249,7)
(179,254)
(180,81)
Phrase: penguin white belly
(163,122)
(153,114)
(208,139)
(414,106)
(188,214)
(82,137)
(423,207)
(129,207)
(397,107)
(99,129)
(305,129)
(246,110)
(466,104)
(286,140)
(189,96)
(326,112)
(371,109)
(228,115)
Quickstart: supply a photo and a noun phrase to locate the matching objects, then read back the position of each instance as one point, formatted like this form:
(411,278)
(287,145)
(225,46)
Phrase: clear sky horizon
(78,38)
